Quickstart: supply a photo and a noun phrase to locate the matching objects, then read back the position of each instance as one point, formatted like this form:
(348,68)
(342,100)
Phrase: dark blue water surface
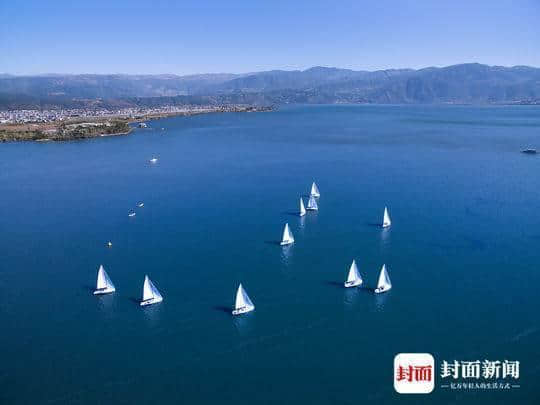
(463,254)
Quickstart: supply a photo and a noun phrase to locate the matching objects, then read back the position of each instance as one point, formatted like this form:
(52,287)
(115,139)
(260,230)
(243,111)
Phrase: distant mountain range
(461,84)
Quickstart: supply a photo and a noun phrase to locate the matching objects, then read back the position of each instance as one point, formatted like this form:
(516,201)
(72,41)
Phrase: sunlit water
(463,254)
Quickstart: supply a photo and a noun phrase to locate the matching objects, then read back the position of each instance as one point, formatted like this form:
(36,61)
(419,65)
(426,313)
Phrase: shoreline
(95,127)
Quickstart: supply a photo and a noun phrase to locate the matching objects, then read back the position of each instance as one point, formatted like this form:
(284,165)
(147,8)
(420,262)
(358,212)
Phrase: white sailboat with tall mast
(242,303)
(384,284)
(104,285)
(312,204)
(353,279)
(151,295)
(302,208)
(315,190)
(287,237)
(386,219)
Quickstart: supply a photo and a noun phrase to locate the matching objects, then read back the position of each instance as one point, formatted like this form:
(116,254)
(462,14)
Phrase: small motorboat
(529,151)
(132,214)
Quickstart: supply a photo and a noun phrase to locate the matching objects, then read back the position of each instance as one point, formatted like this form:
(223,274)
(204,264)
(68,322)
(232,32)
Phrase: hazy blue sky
(185,37)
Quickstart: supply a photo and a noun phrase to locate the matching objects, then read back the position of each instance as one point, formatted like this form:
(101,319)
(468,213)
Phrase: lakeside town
(53,115)
(70,124)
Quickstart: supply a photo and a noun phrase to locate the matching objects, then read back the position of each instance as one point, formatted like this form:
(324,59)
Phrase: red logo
(413,373)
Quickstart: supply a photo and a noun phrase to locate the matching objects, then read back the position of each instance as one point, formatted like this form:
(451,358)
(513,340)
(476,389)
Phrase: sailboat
(384,283)
(288,237)
(353,279)
(151,295)
(312,204)
(302,208)
(386,219)
(242,304)
(315,191)
(104,285)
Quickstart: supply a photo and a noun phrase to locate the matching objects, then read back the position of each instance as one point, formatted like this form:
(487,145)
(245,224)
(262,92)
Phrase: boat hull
(242,310)
(285,243)
(386,225)
(150,301)
(104,291)
(349,284)
(381,290)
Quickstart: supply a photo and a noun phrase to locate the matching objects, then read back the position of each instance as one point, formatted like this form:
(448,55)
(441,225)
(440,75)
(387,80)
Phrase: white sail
(302,208)
(315,190)
(150,292)
(242,299)
(312,204)
(147,290)
(101,283)
(354,275)
(386,219)
(287,236)
(242,303)
(108,282)
(156,294)
(104,284)
(384,283)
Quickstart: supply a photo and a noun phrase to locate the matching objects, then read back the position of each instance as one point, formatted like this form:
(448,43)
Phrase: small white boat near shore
(386,219)
(151,295)
(242,303)
(287,237)
(353,279)
(315,191)
(104,285)
(384,284)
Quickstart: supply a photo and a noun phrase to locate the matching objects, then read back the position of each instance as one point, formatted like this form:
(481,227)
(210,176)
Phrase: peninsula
(73,124)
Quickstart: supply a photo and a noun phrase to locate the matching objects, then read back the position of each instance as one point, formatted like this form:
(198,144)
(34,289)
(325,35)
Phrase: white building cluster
(40,116)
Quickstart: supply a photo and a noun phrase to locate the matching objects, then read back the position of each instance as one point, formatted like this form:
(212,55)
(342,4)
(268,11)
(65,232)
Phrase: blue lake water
(463,254)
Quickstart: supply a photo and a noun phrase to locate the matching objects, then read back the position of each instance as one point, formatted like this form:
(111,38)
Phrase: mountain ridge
(467,83)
